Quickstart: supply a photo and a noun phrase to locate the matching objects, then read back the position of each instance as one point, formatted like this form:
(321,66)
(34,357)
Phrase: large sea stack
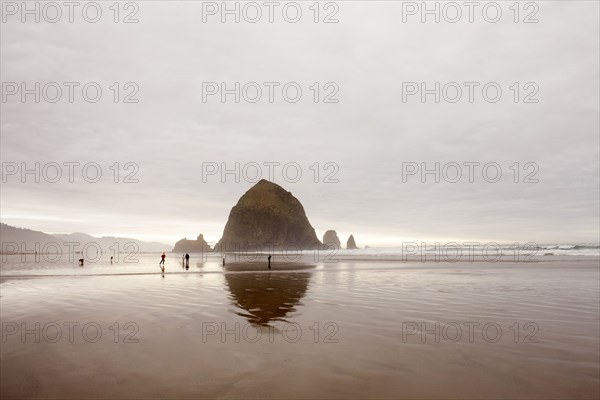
(267,216)
(331,240)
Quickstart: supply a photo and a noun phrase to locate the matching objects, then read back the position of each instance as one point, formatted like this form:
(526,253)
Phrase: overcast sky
(369,133)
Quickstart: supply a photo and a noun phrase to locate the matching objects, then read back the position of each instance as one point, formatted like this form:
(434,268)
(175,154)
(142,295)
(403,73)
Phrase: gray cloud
(369,133)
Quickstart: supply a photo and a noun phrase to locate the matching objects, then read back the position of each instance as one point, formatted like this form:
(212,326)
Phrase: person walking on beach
(223,260)
(111,259)
(187,260)
(161,264)
(269,258)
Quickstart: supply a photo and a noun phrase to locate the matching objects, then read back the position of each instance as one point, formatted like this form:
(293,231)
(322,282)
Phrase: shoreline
(376,264)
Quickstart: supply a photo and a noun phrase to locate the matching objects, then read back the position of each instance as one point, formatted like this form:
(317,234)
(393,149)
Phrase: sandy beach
(351,329)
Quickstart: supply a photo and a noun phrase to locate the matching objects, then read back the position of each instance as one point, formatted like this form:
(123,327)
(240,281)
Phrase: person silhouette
(269,258)
(111,259)
(187,260)
(81,262)
(161,264)
(223,260)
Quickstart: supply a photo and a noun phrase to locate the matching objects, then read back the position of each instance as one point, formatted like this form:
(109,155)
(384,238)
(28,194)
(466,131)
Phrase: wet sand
(351,329)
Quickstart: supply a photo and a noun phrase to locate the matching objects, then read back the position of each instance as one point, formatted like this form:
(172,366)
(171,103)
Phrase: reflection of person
(187,260)
(269,258)
(161,264)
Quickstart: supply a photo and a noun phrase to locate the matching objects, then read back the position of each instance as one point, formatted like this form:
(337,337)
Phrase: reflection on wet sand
(265,297)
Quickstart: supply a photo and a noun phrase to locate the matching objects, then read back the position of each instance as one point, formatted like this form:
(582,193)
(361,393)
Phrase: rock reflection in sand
(263,297)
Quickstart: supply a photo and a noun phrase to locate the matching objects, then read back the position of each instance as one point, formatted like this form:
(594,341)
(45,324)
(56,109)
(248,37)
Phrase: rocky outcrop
(331,240)
(351,244)
(267,217)
(192,246)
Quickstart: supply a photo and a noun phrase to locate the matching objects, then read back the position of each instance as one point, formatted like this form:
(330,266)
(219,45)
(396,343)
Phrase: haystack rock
(331,239)
(351,244)
(192,246)
(267,216)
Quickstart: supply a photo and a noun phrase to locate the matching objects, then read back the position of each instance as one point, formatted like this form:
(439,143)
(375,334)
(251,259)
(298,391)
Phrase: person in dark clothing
(161,264)
(269,258)
(187,260)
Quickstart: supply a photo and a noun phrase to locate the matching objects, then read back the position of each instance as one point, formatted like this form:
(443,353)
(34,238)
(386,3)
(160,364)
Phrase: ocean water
(352,328)
(137,263)
(478,250)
